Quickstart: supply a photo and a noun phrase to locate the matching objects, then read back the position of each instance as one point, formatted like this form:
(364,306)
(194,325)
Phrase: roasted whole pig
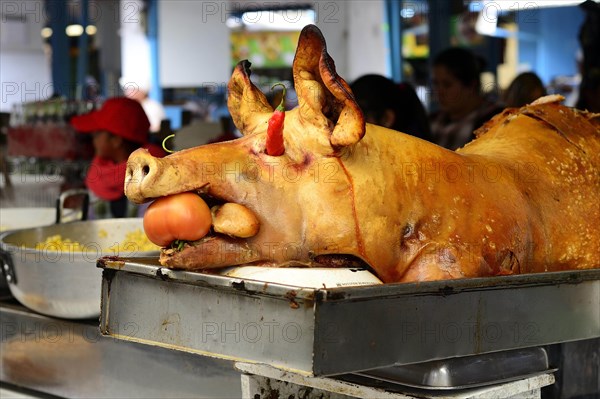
(523,197)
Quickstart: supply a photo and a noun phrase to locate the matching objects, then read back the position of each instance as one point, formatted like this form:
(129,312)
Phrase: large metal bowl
(23,218)
(59,283)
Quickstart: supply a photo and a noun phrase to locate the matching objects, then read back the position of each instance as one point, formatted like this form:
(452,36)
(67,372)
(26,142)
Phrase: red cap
(120,115)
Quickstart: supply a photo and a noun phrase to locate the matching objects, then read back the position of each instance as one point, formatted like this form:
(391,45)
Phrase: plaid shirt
(455,134)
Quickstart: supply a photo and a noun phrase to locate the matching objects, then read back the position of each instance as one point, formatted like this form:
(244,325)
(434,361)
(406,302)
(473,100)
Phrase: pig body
(521,198)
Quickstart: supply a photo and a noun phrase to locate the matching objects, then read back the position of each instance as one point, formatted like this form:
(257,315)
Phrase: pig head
(522,197)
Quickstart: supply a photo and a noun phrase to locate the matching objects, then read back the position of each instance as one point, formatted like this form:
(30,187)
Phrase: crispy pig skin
(521,198)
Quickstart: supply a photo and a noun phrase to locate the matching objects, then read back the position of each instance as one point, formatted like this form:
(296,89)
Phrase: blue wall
(549,40)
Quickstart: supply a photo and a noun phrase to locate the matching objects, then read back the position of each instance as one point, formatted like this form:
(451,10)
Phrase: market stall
(475,279)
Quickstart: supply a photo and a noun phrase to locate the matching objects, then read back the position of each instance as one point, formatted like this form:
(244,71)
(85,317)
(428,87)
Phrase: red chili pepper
(274,144)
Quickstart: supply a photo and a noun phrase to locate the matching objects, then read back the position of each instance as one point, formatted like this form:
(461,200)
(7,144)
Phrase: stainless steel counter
(72,359)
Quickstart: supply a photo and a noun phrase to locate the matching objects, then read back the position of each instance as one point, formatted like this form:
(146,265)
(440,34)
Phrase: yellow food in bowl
(138,240)
(135,241)
(57,243)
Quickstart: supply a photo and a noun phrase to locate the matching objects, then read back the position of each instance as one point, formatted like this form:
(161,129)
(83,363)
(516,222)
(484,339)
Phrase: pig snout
(142,171)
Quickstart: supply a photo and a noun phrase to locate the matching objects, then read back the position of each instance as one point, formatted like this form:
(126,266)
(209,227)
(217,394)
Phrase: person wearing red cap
(119,127)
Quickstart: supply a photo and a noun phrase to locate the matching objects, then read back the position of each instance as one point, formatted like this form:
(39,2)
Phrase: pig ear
(247,104)
(324,98)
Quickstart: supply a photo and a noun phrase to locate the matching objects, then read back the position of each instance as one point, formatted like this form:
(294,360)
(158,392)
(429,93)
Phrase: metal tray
(467,372)
(318,332)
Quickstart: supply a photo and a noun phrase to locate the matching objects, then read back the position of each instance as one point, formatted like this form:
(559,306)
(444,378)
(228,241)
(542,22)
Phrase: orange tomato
(177,217)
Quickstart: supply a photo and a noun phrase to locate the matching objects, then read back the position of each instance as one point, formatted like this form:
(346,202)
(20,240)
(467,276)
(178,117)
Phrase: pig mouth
(210,252)
(229,241)
(234,239)
(215,251)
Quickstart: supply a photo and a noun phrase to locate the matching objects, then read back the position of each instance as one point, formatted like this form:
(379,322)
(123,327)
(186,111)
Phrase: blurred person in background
(589,39)
(391,105)
(589,92)
(138,90)
(524,89)
(462,106)
(119,127)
